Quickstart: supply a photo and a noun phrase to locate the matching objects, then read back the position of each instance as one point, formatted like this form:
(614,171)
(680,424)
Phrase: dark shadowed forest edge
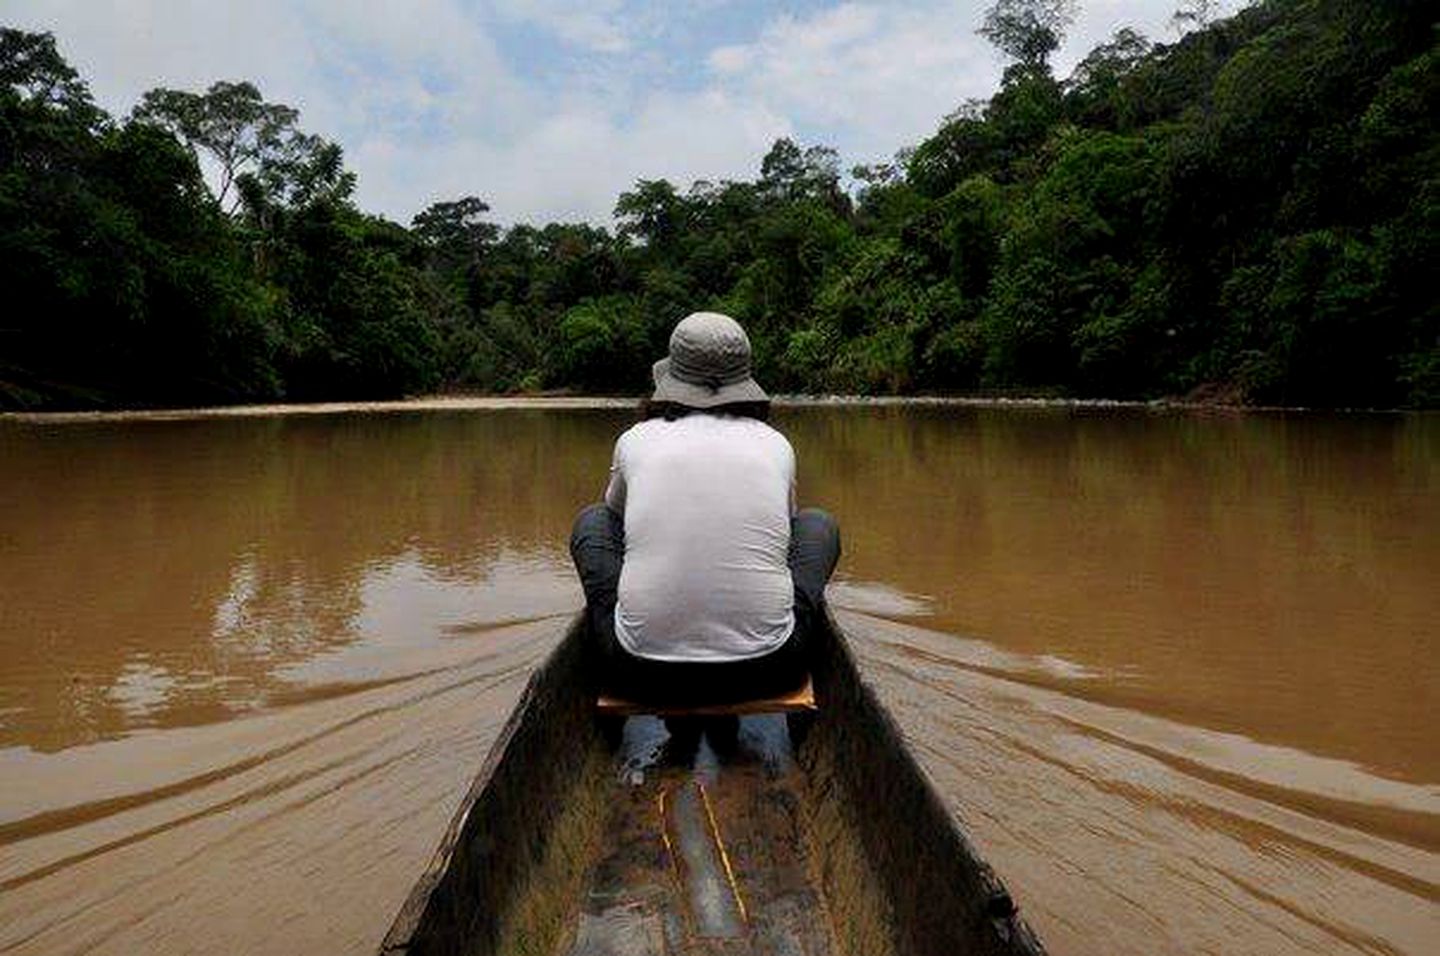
(1248,215)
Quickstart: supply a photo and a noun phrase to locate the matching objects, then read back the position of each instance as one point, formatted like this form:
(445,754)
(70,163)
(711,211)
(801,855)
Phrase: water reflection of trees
(206,556)
(1268,574)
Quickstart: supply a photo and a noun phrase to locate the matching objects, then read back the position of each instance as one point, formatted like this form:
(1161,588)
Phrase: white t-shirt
(707,501)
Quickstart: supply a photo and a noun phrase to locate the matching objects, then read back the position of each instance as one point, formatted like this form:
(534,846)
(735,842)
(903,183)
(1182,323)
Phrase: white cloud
(590,24)
(429,105)
(730,59)
(870,78)
(573,165)
(874,78)
(1099,19)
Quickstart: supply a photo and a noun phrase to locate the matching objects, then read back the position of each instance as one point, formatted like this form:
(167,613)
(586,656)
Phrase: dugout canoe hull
(873,861)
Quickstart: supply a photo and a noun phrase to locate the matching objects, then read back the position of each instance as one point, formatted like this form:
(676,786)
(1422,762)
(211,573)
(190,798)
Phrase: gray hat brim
(668,388)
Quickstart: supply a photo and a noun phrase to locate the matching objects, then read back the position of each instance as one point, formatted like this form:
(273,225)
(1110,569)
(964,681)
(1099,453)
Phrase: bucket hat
(708,365)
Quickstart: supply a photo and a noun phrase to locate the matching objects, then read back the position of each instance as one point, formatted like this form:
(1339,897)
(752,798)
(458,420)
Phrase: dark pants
(598,548)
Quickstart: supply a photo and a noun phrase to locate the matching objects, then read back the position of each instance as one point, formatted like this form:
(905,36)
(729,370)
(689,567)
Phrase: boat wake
(1120,832)
(1123,832)
(239,836)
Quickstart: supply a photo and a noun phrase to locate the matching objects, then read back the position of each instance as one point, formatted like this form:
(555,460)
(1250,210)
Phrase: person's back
(702,582)
(706,501)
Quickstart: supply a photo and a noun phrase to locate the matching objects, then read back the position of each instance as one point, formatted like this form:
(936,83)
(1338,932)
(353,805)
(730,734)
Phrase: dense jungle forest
(1248,214)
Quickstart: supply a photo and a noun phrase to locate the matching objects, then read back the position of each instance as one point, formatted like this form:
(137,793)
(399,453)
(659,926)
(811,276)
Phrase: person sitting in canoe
(702,580)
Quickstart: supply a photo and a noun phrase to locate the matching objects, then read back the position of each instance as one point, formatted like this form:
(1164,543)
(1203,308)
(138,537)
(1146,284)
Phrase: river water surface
(1176,671)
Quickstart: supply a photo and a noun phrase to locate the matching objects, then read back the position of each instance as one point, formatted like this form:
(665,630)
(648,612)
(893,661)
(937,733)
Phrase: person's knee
(592,521)
(816,524)
(814,553)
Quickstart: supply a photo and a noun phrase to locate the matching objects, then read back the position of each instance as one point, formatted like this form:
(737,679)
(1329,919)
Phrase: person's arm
(794,498)
(615,491)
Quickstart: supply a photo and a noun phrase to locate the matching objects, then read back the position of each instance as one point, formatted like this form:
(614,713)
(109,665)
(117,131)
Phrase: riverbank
(428,403)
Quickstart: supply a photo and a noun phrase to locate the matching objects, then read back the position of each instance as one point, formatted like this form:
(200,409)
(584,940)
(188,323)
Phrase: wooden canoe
(816,835)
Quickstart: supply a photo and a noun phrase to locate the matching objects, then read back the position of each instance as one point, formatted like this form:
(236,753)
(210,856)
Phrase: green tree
(653,212)
(603,345)
(789,174)
(1252,210)
(1195,14)
(130,288)
(1027,31)
(1096,93)
(231,123)
(455,233)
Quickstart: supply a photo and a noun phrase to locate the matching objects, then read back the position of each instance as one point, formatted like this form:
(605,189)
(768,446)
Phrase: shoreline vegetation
(1247,216)
(456,402)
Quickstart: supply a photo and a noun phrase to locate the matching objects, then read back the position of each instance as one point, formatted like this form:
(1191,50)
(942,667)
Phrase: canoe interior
(803,835)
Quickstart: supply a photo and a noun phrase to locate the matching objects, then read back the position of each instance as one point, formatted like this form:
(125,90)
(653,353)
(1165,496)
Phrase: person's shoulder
(630,437)
(764,432)
(769,431)
(782,443)
(639,430)
(653,432)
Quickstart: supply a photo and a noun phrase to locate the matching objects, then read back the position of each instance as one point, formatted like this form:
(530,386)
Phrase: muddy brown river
(1176,671)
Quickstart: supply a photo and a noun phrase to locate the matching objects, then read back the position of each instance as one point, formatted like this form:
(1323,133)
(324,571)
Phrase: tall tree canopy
(229,123)
(1028,31)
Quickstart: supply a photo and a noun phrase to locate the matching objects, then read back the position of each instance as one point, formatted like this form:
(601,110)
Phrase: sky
(548,109)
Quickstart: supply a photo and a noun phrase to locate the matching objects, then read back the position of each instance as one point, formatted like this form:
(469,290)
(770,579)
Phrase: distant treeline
(1248,214)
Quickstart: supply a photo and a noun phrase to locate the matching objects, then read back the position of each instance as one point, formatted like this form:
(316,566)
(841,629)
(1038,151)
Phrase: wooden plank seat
(800,700)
